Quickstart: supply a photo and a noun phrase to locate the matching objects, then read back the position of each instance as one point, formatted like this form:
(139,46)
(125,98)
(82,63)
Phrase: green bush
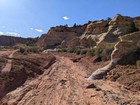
(5,47)
(34,49)
(71,50)
(106,54)
(138,63)
(78,51)
(83,52)
(27,49)
(62,50)
(18,46)
(105,50)
(91,52)
(98,51)
(22,50)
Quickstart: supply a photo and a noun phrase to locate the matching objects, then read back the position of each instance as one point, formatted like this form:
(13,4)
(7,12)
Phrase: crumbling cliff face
(91,34)
(122,30)
(55,78)
(11,41)
(128,44)
(60,34)
(118,26)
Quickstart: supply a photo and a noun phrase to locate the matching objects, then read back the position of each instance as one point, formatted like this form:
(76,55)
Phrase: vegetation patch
(28,49)
(138,63)
(103,51)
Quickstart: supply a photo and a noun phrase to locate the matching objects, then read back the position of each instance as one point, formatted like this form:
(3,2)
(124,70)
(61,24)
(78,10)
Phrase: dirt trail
(3,53)
(8,66)
(64,83)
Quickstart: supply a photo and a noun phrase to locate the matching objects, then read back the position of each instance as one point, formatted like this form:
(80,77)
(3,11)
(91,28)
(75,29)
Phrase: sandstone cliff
(90,34)
(11,41)
(128,44)
(59,34)
(59,78)
(98,33)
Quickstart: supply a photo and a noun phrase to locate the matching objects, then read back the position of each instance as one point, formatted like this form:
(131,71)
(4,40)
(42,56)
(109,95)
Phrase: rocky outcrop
(137,23)
(124,24)
(119,26)
(73,42)
(88,41)
(59,34)
(24,67)
(91,34)
(128,44)
(97,27)
(11,41)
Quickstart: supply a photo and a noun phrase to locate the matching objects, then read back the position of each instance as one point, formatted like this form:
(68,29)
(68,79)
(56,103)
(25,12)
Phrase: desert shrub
(138,63)
(18,46)
(78,51)
(22,47)
(98,50)
(5,47)
(71,50)
(83,52)
(34,49)
(91,52)
(108,19)
(75,25)
(1,47)
(22,50)
(62,49)
(104,51)
(27,49)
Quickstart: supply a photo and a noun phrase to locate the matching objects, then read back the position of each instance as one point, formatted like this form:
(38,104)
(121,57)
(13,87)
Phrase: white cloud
(65,18)
(13,34)
(1,33)
(10,34)
(39,30)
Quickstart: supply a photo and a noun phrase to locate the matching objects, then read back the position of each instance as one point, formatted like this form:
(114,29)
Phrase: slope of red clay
(64,82)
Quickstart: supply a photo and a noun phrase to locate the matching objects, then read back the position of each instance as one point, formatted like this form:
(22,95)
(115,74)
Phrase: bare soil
(61,79)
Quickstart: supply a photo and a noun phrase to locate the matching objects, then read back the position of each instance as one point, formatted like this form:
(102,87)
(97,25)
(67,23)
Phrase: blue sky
(31,18)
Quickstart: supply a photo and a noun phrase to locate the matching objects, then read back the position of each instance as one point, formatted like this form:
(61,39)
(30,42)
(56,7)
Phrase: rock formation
(11,41)
(98,33)
(118,26)
(59,34)
(91,34)
(128,43)
(97,27)
(54,78)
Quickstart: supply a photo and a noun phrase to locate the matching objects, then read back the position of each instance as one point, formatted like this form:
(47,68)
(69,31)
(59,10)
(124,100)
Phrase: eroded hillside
(64,82)
(91,34)
(107,49)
